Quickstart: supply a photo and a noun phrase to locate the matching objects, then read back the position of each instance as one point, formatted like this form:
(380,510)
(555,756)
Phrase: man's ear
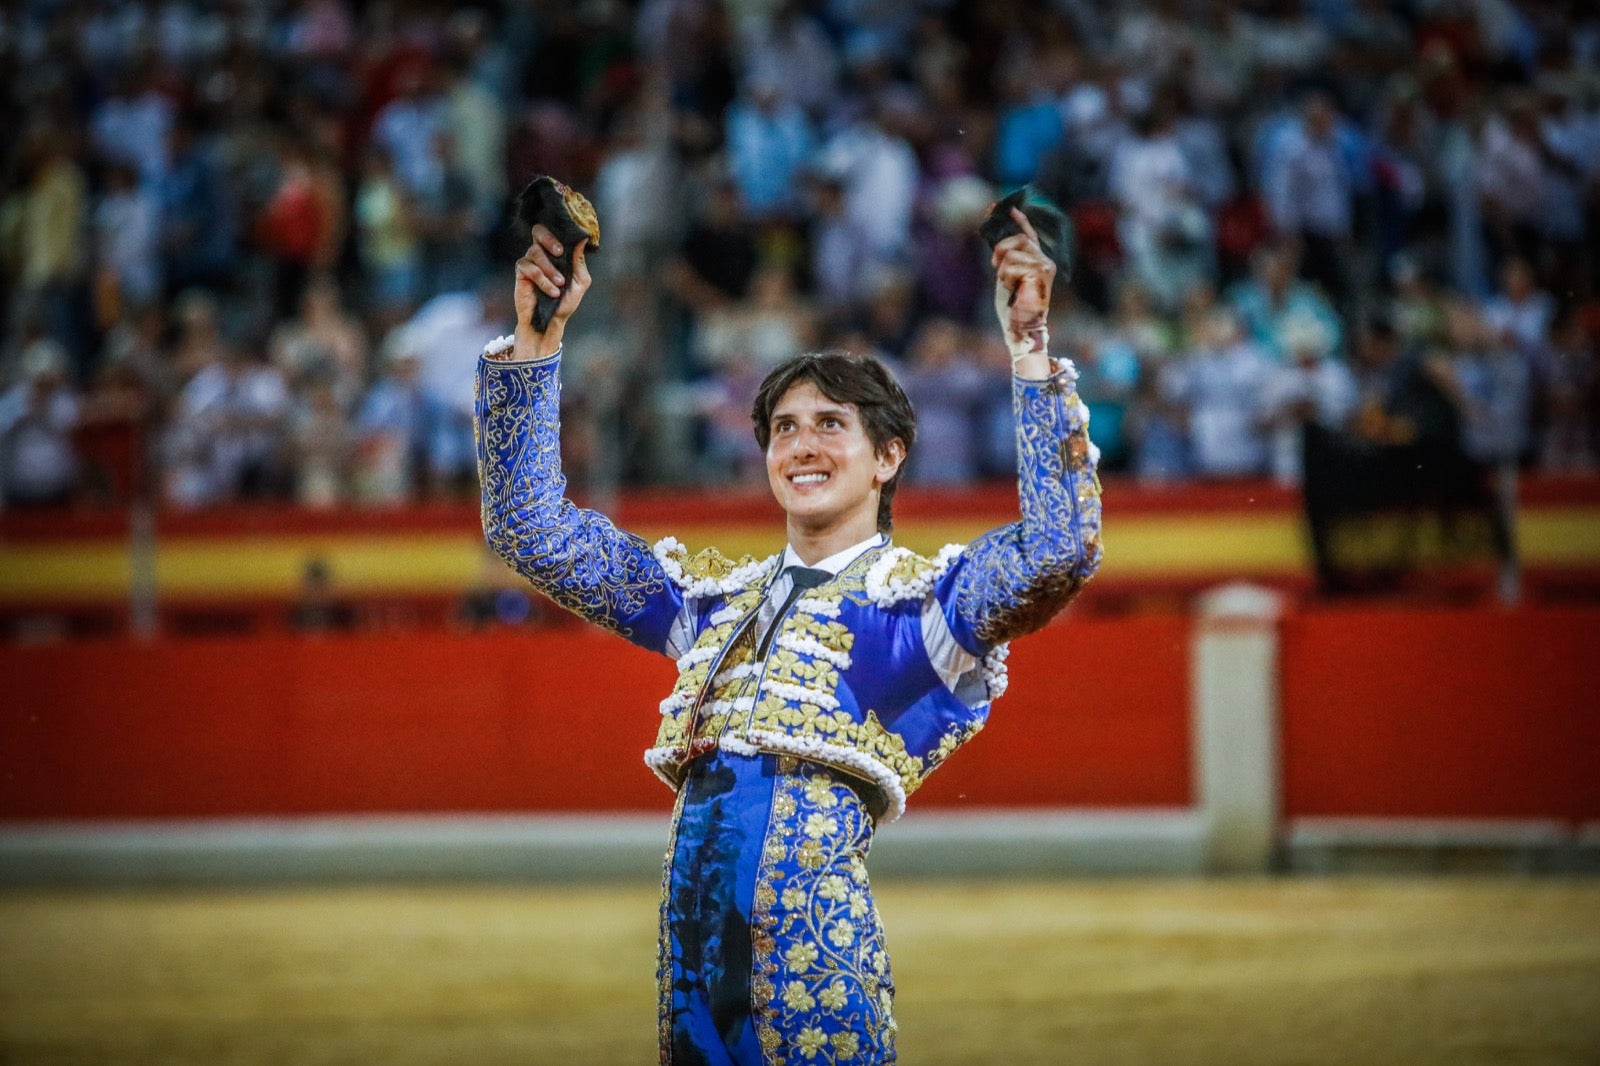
(890,458)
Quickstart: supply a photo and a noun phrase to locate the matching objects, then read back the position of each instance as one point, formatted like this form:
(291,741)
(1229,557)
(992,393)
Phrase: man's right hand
(537,273)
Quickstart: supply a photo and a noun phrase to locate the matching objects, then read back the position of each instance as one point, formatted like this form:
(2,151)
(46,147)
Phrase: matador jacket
(880,673)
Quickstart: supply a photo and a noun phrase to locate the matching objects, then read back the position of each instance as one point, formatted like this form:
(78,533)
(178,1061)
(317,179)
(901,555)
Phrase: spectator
(1471,128)
(888,316)
(635,190)
(1404,182)
(127,239)
(1571,386)
(199,227)
(951,259)
(395,432)
(768,140)
(1310,387)
(791,51)
(38,464)
(839,254)
(879,176)
(200,342)
(319,609)
(771,326)
(1221,384)
(946,387)
(225,440)
(408,128)
(42,235)
(447,334)
(718,258)
(299,226)
(1137,327)
(132,125)
(452,228)
(1271,298)
(731,453)
(477,125)
(1519,316)
(387,241)
(1493,382)
(1310,193)
(319,440)
(719,254)
(1512,180)
(323,343)
(1419,307)
(1165,229)
(1029,122)
(1109,372)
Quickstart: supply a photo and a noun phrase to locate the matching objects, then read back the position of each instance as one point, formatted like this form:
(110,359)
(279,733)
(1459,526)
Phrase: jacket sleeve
(577,557)
(1014,579)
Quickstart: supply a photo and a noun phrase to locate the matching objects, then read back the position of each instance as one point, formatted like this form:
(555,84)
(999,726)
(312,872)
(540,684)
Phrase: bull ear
(567,213)
(1048,221)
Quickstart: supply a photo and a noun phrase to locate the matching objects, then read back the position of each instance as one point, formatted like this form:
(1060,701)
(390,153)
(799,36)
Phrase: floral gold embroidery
(825,996)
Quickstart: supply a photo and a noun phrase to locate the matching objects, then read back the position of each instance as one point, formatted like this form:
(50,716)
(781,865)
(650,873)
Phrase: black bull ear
(565,212)
(1048,221)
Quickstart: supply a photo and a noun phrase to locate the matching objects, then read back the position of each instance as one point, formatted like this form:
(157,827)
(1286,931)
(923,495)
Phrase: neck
(813,546)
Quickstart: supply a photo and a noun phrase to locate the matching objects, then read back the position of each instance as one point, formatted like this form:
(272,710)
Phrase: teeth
(809,479)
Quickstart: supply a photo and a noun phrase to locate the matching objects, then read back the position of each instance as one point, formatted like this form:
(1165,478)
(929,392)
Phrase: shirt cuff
(502,350)
(1061,369)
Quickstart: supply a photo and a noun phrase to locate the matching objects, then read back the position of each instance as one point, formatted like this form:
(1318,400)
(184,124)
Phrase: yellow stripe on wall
(1186,546)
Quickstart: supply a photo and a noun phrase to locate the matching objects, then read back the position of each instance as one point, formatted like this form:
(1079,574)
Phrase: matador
(817,688)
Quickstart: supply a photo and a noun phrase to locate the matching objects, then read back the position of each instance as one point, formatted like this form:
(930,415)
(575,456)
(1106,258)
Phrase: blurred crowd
(251,249)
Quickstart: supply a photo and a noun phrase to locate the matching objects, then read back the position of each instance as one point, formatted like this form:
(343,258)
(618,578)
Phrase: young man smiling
(817,688)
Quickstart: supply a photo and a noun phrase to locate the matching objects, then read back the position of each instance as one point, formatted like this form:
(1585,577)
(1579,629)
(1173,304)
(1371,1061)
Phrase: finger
(1014,243)
(543,237)
(529,269)
(540,257)
(580,263)
(1027,227)
(1014,268)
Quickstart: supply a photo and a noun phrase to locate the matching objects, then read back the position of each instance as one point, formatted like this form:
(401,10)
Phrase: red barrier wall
(1442,713)
(1096,716)
(1386,712)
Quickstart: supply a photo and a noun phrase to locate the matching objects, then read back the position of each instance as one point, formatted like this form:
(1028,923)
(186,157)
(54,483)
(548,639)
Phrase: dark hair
(859,380)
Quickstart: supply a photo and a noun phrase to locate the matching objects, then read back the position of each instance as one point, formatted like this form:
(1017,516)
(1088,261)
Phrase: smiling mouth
(807,479)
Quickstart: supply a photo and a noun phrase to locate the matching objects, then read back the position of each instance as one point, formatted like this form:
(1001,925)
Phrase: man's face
(821,463)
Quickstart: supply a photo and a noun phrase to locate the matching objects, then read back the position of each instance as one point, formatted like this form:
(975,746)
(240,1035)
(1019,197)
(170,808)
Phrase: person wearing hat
(818,687)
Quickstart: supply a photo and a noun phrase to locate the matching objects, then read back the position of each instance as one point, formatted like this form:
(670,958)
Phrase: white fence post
(1235,721)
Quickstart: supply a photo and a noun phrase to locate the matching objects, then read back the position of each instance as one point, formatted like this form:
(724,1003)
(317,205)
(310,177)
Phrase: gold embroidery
(825,996)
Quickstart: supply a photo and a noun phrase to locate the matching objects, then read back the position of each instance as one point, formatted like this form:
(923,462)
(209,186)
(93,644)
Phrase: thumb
(580,262)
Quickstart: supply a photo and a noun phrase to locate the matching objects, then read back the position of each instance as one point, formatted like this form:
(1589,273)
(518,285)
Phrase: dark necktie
(800,579)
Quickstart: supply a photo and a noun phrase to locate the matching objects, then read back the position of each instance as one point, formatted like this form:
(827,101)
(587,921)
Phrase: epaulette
(709,572)
(901,574)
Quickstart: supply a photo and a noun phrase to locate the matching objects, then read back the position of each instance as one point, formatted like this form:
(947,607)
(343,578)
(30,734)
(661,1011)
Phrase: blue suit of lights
(785,763)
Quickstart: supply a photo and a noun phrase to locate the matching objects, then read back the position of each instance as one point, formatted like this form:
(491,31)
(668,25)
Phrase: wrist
(1030,351)
(532,345)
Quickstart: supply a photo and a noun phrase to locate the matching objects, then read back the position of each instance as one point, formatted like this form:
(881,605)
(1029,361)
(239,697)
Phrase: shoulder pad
(709,572)
(901,574)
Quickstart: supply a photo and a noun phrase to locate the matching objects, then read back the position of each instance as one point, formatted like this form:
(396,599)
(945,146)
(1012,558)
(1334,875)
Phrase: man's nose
(805,441)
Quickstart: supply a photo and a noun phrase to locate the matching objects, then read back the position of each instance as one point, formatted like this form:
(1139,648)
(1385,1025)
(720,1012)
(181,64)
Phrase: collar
(836,562)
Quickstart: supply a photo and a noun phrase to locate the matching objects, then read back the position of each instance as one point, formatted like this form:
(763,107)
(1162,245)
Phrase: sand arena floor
(1293,971)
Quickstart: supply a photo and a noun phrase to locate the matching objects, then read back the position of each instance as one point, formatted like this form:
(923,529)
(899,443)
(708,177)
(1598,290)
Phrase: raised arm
(1012,580)
(577,557)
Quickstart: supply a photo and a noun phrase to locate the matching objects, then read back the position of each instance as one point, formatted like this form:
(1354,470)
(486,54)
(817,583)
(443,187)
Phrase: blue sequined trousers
(771,948)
